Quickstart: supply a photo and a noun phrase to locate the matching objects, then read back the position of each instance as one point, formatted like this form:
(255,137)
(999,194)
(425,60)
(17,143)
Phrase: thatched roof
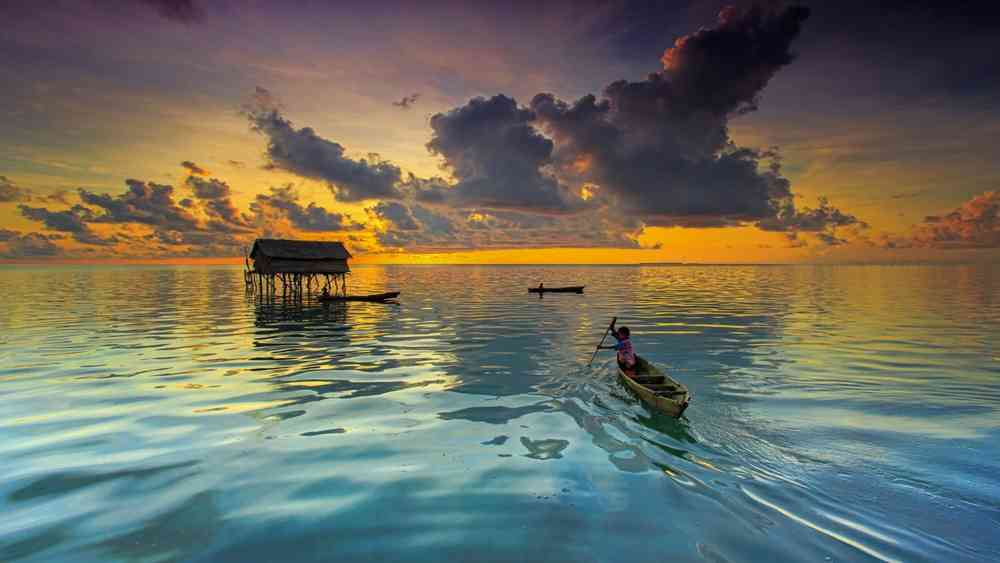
(285,249)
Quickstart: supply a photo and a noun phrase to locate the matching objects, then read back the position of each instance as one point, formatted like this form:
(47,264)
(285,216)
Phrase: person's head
(623,331)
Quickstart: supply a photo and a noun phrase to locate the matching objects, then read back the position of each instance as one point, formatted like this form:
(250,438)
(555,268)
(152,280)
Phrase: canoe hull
(375,298)
(672,397)
(570,289)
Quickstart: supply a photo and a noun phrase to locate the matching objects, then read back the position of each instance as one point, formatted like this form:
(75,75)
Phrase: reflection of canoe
(655,388)
(570,289)
(377,297)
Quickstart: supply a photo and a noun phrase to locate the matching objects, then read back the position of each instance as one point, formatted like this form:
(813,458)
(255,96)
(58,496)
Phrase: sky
(522,132)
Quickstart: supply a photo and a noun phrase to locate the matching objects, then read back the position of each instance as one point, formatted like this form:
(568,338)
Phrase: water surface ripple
(841,412)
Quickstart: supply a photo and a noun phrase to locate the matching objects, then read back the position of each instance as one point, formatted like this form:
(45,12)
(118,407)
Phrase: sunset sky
(556,132)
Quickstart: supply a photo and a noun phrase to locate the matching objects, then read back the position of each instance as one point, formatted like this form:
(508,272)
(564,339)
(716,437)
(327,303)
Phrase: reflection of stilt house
(298,265)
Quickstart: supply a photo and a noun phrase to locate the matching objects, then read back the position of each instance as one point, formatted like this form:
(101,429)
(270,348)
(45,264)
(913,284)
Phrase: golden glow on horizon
(816,166)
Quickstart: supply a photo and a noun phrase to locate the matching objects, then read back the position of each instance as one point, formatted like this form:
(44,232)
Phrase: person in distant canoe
(626,355)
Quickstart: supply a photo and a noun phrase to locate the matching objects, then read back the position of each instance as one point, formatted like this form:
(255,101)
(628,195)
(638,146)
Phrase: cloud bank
(649,153)
(592,172)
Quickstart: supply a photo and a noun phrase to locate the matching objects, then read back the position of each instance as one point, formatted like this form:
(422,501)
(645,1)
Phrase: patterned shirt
(626,355)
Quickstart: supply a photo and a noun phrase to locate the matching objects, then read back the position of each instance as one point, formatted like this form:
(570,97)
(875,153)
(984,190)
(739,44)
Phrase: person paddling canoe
(626,355)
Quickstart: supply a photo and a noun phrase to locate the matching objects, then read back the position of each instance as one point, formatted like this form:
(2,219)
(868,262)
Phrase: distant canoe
(376,297)
(656,389)
(570,289)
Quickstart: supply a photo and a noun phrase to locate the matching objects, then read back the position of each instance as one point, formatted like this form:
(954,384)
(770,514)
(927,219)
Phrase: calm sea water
(159,414)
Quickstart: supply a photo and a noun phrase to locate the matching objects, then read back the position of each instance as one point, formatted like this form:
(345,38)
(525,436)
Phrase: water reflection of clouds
(470,401)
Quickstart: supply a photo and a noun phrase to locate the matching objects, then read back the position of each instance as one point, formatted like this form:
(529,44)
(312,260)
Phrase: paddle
(613,320)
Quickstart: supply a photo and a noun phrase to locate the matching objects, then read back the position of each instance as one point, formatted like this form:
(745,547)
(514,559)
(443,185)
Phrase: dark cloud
(31,245)
(146,203)
(654,152)
(723,69)
(194,168)
(183,11)
(427,190)
(283,202)
(237,163)
(415,225)
(659,149)
(497,157)
(73,220)
(9,191)
(303,152)
(207,224)
(406,102)
(818,220)
(830,239)
(216,201)
(209,189)
(976,224)
(397,214)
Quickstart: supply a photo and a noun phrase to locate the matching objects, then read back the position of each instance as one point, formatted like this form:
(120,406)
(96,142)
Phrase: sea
(162,413)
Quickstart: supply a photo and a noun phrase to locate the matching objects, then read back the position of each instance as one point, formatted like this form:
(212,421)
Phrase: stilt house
(298,263)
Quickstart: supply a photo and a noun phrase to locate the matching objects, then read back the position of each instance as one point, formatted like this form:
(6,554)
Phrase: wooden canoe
(569,289)
(655,388)
(376,297)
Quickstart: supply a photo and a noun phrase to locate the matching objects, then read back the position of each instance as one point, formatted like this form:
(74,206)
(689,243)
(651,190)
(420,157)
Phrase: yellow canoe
(656,388)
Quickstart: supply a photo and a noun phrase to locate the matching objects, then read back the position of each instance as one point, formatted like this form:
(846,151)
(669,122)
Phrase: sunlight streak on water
(157,413)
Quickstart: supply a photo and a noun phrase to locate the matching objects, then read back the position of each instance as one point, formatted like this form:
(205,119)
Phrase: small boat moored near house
(655,388)
(568,289)
(374,298)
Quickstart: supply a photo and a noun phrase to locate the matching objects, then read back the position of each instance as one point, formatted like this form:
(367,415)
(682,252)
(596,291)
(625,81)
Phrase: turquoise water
(839,412)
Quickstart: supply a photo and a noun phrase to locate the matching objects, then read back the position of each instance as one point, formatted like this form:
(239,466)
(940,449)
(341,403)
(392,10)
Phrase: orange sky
(103,112)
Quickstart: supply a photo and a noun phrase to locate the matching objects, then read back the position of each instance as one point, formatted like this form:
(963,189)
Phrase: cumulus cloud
(30,245)
(148,220)
(397,214)
(216,199)
(283,202)
(73,220)
(495,153)
(9,191)
(303,152)
(823,221)
(406,102)
(194,169)
(146,203)
(659,148)
(648,153)
(723,69)
(975,224)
